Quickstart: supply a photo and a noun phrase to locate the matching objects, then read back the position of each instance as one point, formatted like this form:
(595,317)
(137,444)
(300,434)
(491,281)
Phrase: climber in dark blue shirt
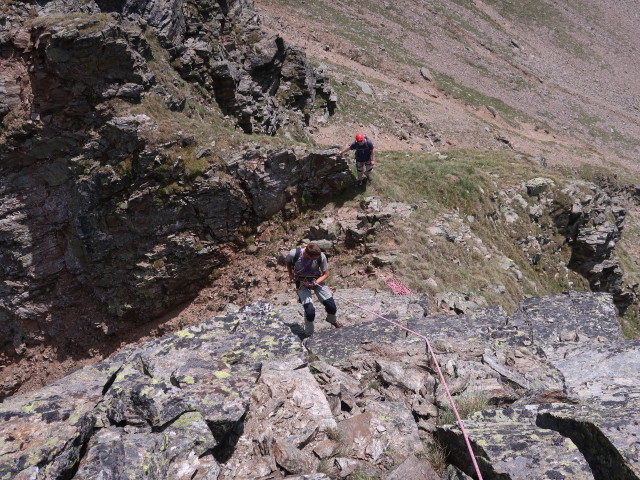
(365,157)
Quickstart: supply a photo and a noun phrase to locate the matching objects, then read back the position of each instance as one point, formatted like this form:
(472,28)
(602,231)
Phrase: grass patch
(475,98)
(597,129)
(362,475)
(334,434)
(451,190)
(467,403)
(437,456)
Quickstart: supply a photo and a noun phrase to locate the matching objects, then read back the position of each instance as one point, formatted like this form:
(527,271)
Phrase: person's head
(360,137)
(313,250)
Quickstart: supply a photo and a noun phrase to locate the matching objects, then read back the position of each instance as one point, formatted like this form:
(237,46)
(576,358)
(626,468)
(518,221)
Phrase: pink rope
(442,379)
(398,287)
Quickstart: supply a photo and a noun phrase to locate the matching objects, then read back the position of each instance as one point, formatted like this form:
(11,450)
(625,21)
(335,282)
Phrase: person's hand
(310,283)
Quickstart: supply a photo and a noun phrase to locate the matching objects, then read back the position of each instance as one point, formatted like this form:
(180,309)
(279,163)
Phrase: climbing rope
(440,374)
(398,287)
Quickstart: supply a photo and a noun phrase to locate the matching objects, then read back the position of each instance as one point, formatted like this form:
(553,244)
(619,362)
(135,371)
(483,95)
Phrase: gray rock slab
(413,469)
(289,416)
(482,325)
(590,315)
(508,444)
(46,429)
(210,367)
(187,390)
(173,453)
(599,372)
(607,436)
(605,424)
(340,343)
(393,430)
(355,306)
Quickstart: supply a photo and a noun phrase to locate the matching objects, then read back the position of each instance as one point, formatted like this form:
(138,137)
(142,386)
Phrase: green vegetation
(597,129)
(467,403)
(437,456)
(449,190)
(361,475)
(334,434)
(475,98)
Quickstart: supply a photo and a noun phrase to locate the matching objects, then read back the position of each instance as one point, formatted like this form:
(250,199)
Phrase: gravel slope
(570,70)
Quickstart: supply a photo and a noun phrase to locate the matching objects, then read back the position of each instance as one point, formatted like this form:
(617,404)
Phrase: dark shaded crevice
(79,444)
(111,380)
(81,454)
(605,460)
(227,436)
(144,366)
(174,381)
(458,455)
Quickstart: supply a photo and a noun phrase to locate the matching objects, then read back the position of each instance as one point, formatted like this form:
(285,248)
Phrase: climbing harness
(440,374)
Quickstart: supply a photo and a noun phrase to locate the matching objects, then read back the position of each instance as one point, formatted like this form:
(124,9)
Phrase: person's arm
(323,265)
(323,277)
(373,156)
(289,263)
(348,147)
(292,275)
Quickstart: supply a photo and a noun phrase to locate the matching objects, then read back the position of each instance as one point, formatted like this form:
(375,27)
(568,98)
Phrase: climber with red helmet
(365,157)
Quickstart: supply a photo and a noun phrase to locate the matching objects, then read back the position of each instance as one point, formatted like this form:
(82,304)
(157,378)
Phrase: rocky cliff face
(102,218)
(239,396)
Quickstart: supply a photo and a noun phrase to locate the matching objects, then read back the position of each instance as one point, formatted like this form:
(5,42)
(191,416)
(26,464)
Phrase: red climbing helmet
(359,137)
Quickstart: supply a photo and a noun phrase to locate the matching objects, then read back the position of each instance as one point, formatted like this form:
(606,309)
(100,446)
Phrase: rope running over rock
(440,374)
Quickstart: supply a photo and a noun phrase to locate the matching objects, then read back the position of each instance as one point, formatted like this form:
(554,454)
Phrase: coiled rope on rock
(398,287)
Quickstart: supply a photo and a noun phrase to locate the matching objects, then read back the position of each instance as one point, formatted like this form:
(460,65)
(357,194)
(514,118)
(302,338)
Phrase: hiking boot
(338,324)
(309,328)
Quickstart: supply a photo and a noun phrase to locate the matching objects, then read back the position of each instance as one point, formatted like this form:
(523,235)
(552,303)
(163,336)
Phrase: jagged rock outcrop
(593,227)
(77,231)
(589,218)
(238,396)
(106,216)
(259,79)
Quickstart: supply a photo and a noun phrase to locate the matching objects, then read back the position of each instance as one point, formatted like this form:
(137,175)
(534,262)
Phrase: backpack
(368,147)
(298,253)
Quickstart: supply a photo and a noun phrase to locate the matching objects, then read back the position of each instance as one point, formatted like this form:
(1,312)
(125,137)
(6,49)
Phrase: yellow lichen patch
(221,374)
(74,418)
(270,341)
(185,334)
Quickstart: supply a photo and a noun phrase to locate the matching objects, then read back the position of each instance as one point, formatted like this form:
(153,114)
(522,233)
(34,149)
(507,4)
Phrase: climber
(365,157)
(308,268)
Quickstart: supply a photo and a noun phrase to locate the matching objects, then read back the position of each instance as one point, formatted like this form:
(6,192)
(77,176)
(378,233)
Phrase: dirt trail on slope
(460,125)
